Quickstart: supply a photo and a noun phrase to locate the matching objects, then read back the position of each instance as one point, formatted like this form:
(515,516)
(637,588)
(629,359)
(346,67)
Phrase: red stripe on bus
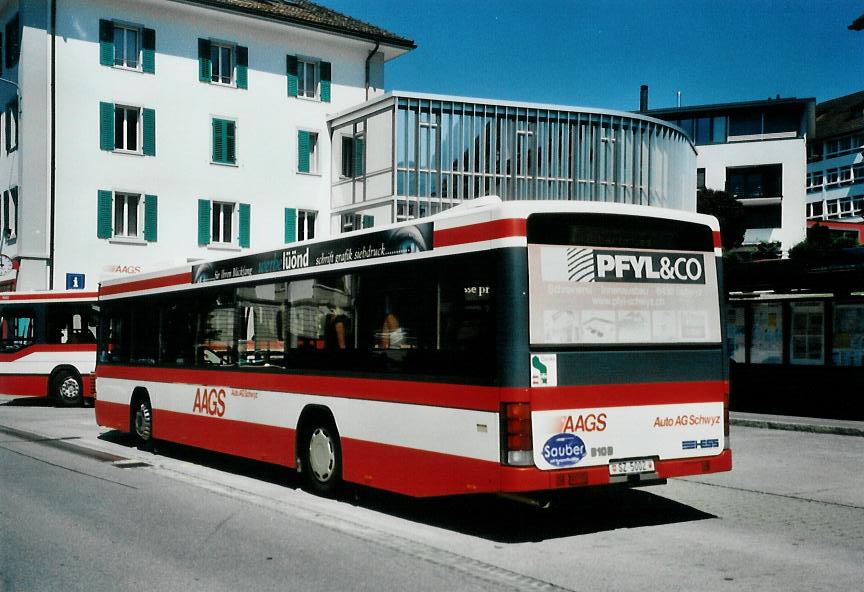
(25,385)
(717,242)
(112,415)
(47,296)
(241,438)
(483,231)
(622,395)
(456,396)
(51,348)
(148,284)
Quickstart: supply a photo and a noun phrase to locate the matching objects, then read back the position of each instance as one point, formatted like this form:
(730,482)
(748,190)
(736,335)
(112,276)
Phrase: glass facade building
(406,155)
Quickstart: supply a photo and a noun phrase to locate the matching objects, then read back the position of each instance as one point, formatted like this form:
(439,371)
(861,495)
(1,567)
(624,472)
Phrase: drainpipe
(53,140)
(369,59)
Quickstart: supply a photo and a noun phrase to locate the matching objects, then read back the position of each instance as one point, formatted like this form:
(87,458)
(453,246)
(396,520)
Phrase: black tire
(321,458)
(141,422)
(67,390)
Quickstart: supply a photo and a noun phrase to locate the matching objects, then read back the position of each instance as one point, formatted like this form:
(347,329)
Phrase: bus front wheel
(68,390)
(321,458)
(142,422)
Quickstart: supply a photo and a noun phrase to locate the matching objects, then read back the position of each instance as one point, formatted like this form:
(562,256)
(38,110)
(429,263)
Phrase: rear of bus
(627,366)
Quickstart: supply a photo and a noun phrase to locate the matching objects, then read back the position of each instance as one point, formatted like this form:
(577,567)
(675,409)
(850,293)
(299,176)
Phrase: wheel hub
(143,421)
(69,389)
(322,455)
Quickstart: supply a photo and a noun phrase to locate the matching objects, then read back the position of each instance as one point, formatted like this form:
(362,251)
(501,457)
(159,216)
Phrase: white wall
(181,172)
(791,153)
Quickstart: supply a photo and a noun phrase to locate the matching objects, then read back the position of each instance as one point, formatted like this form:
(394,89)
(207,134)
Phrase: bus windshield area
(48,323)
(16,329)
(416,318)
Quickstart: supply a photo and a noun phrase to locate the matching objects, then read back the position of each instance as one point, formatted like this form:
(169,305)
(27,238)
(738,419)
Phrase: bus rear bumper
(524,479)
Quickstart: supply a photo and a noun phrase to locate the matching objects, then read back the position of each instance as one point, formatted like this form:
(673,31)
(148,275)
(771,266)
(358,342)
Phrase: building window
(807,339)
(222,63)
(858,173)
(10,214)
(224,141)
(307,78)
(846,174)
(700,179)
(815,210)
(353,156)
(126,214)
(307,152)
(352,222)
(222,223)
(306,224)
(126,130)
(755,181)
(12,126)
(832,177)
(127,46)
(13,41)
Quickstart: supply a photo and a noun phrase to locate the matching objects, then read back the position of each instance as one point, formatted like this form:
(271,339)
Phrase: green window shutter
(291,69)
(205,68)
(149,124)
(242,67)
(359,156)
(106,43)
(1,47)
(303,151)
(148,51)
(219,140)
(103,212)
(325,81)
(150,219)
(106,126)
(245,215)
(367,222)
(203,222)
(290,225)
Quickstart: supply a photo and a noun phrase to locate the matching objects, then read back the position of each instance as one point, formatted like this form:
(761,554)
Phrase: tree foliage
(728,211)
(820,243)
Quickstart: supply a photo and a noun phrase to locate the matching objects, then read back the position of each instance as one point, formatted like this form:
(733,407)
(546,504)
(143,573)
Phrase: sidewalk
(798,424)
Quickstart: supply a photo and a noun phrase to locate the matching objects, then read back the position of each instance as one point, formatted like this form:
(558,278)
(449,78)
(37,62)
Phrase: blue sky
(596,53)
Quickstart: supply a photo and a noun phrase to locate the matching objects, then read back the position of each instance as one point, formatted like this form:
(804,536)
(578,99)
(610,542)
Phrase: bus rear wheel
(321,458)
(68,390)
(142,422)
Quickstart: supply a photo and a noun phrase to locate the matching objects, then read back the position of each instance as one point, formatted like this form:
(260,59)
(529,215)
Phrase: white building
(835,164)
(757,152)
(152,132)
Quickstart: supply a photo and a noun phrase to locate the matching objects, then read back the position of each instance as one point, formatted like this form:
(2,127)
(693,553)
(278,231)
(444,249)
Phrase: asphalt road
(81,509)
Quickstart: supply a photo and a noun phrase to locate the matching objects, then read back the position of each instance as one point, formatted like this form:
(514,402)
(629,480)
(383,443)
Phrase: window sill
(138,69)
(309,174)
(221,84)
(315,99)
(224,247)
(128,152)
(126,240)
(225,164)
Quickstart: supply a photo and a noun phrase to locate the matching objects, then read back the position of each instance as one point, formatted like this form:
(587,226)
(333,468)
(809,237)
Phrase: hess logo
(585,423)
(209,402)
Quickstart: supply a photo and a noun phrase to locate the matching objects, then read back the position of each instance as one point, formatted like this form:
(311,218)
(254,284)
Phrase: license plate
(630,467)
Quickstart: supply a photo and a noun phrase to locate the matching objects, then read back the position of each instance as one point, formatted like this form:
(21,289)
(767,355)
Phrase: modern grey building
(406,155)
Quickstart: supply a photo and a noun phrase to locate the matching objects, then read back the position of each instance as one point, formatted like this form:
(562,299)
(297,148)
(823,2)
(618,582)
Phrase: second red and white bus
(48,345)
(498,347)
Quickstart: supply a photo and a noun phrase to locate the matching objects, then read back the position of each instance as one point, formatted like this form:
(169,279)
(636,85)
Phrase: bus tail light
(518,447)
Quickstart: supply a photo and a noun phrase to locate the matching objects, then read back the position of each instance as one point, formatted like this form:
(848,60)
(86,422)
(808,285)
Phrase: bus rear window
(615,230)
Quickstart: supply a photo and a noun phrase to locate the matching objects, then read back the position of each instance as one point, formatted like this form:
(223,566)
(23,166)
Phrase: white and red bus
(48,345)
(497,347)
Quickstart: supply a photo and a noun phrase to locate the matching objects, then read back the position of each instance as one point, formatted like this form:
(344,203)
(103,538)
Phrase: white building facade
(757,152)
(153,132)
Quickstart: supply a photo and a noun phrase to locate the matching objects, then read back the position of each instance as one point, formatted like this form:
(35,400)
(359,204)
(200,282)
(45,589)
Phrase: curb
(798,427)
